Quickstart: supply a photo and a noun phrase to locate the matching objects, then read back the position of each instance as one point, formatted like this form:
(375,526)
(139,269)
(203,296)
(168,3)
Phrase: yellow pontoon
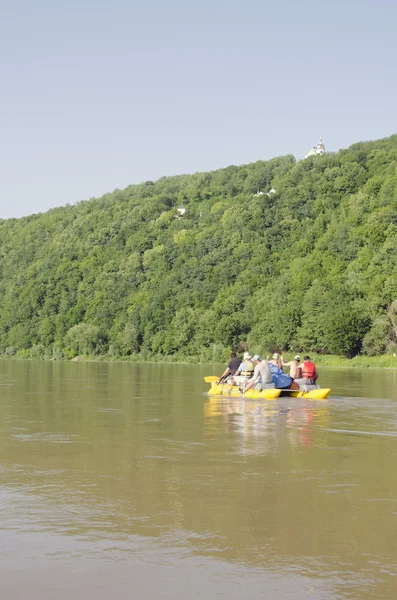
(224,389)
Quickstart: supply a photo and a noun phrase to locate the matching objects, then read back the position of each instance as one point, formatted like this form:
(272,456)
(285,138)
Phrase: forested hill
(311,267)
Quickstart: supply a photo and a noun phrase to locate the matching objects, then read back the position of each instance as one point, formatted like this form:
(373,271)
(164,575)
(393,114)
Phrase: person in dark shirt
(231,368)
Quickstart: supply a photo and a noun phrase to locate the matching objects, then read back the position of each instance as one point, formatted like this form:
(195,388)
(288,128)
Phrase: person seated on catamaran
(245,370)
(275,360)
(295,370)
(231,368)
(280,379)
(261,378)
(309,374)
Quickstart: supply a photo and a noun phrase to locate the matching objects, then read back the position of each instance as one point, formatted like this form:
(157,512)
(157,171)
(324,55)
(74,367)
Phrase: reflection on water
(296,422)
(131,468)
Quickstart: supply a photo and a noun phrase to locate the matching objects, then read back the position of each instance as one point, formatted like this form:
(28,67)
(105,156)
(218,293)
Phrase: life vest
(309,370)
(249,369)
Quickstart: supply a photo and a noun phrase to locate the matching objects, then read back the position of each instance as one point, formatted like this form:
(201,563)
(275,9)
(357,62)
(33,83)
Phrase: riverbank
(322,360)
(360,362)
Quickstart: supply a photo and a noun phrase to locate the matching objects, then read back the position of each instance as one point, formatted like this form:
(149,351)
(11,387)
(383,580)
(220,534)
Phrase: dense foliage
(311,267)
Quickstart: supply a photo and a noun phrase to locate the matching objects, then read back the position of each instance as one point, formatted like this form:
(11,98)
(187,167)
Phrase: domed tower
(320,148)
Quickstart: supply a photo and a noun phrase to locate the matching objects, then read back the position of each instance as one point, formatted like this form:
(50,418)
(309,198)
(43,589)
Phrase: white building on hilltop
(272,191)
(319,149)
(180,212)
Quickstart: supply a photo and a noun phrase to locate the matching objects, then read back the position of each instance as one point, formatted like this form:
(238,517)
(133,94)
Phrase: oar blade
(211,379)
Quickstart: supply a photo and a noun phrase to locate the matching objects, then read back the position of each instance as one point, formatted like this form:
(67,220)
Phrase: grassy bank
(322,360)
(358,362)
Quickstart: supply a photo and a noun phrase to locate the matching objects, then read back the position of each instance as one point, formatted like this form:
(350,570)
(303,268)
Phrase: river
(125,480)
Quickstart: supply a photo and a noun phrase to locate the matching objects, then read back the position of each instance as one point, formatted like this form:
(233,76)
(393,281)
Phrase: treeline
(310,267)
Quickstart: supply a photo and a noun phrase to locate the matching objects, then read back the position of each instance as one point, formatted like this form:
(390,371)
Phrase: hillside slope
(310,267)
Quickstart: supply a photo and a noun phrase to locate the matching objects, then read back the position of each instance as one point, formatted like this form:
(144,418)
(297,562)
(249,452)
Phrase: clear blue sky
(96,95)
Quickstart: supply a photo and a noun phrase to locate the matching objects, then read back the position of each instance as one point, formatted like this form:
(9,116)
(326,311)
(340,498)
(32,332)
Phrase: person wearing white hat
(245,370)
(261,377)
(276,360)
(295,370)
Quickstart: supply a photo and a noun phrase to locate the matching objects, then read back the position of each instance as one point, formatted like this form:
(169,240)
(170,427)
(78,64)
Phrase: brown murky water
(126,480)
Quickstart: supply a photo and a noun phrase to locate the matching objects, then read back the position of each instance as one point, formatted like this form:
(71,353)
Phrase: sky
(98,95)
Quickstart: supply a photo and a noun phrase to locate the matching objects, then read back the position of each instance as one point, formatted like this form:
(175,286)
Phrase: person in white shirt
(261,376)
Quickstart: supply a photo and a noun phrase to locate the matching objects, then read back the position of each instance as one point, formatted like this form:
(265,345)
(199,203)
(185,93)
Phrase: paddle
(211,379)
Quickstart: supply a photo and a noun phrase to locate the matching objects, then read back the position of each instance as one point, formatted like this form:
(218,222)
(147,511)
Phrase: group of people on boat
(255,372)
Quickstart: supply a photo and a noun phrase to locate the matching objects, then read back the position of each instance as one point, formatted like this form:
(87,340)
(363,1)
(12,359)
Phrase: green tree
(84,339)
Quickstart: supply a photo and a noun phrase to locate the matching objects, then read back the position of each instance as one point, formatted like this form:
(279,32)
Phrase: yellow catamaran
(232,391)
